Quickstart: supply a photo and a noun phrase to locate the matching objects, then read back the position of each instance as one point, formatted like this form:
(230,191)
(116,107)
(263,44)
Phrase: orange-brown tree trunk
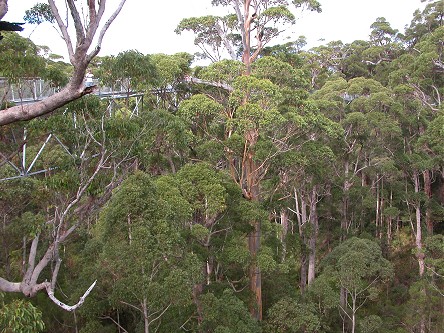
(254,238)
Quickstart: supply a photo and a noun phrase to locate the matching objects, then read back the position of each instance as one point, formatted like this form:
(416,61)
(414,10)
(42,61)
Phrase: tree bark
(302,220)
(3,8)
(428,192)
(284,231)
(145,317)
(48,105)
(246,37)
(78,56)
(313,235)
(345,198)
(418,237)
(254,237)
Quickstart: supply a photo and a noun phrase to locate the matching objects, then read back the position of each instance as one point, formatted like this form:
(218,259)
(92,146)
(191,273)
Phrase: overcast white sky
(148,26)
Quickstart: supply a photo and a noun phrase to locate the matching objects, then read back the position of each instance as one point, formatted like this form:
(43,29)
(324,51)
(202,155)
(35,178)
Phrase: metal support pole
(38,154)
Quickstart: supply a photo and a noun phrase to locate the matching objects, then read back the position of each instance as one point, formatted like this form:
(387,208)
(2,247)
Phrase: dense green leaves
(341,145)
(20,316)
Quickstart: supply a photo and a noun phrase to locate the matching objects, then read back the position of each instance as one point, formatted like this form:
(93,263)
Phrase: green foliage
(200,109)
(353,122)
(288,315)
(39,13)
(201,186)
(19,58)
(359,262)
(370,324)
(223,71)
(20,316)
(227,314)
(131,69)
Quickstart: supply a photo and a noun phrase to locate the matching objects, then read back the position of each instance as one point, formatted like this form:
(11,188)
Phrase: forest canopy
(278,189)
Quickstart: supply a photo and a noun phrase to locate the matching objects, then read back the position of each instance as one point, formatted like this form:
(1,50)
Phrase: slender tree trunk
(313,235)
(345,198)
(378,207)
(420,253)
(302,223)
(390,221)
(255,274)
(343,302)
(283,235)
(418,236)
(428,191)
(354,313)
(145,316)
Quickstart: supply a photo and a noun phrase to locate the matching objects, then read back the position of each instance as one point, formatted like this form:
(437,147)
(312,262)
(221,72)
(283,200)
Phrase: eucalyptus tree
(81,51)
(284,122)
(80,162)
(141,256)
(424,22)
(169,88)
(359,268)
(131,70)
(21,65)
(417,80)
(256,115)
(264,21)
(366,111)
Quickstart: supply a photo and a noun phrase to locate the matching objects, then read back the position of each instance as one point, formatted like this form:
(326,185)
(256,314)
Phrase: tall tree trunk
(252,192)
(254,239)
(284,231)
(418,235)
(301,216)
(302,220)
(390,221)
(419,249)
(313,235)
(345,198)
(246,54)
(145,316)
(378,208)
(427,175)
(354,309)
(197,291)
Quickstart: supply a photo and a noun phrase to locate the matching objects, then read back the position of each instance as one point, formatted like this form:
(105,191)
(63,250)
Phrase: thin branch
(115,322)
(105,28)
(63,29)
(65,306)
(160,315)
(132,306)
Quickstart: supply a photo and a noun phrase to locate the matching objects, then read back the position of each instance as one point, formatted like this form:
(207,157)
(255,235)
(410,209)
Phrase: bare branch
(65,306)
(80,30)
(105,27)
(63,29)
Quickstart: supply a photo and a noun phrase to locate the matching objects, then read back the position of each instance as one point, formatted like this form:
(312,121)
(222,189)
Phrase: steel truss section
(24,170)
